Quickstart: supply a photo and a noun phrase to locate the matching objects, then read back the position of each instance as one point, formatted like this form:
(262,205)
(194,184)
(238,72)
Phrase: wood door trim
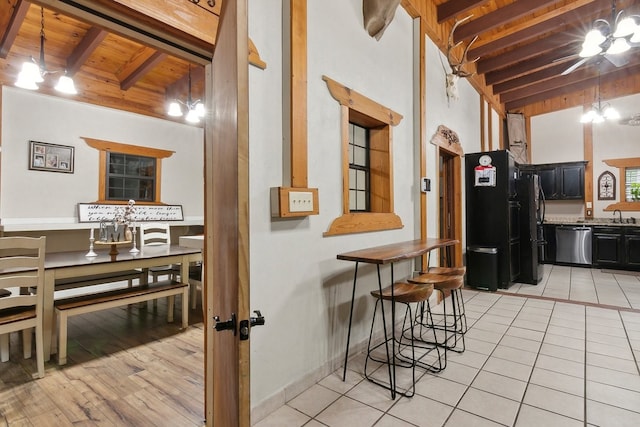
(227,218)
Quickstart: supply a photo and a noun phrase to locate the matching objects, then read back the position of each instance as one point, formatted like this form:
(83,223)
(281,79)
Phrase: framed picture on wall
(50,157)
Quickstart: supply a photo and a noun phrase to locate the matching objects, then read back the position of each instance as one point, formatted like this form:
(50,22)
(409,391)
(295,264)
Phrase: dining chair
(21,303)
(154,234)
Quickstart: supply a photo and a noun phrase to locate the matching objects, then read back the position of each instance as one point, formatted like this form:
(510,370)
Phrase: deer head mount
(456,67)
(377,15)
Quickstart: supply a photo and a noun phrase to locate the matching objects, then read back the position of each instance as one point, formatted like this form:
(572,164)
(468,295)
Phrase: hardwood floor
(126,367)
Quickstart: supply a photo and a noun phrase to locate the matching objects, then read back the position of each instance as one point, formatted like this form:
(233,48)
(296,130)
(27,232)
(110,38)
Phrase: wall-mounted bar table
(388,254)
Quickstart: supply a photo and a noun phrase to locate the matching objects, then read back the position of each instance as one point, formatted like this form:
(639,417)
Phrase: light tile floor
(590,285)
(529,361)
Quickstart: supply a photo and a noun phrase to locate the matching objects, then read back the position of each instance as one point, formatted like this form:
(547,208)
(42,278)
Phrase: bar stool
(405,293)
(453,325)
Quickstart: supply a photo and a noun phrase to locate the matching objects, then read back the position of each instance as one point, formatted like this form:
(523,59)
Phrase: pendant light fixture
(600,112)
(195,109)
(612,37)
(34,72)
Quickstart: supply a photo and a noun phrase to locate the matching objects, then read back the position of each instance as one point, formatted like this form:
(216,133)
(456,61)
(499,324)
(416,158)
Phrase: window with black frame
(359,169)
(130,177)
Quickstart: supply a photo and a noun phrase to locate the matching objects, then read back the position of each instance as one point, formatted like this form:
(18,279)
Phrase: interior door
(450,202)
(226,282)
(446,206)
(227,398)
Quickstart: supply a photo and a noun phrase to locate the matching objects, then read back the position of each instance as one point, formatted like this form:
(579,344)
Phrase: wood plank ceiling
(523,48)
(108,68)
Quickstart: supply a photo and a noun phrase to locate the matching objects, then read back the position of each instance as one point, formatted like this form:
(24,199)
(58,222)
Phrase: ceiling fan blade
(564,58)
(574,66)
(617,60)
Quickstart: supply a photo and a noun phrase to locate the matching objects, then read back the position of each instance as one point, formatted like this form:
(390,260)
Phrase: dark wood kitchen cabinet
(632,247)
(608,246)
(559,181)
(549,181)
(571,181)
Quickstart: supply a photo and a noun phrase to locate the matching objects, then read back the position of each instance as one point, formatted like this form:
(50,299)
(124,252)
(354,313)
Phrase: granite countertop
(626,222)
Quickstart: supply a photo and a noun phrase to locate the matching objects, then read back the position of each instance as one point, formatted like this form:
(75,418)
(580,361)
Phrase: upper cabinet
(559,181)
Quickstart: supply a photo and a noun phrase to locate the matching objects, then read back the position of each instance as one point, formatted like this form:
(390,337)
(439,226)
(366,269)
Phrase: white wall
(35,199)
(461,116)
(301,288)
(558,137)
(614,141)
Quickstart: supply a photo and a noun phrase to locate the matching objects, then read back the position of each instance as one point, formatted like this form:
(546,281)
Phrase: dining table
(388,255)
(76,264)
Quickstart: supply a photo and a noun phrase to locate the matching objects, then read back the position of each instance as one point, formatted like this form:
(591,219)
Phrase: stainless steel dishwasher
(573,244)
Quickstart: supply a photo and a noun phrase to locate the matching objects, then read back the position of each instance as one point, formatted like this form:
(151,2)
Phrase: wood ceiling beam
(499,17)
(525,52)
(526,67)
(133,24)
(84,49)
(455,7)
(11,31)
(553,21)
(139,66)
(586,73)
(527,79)
(620,75)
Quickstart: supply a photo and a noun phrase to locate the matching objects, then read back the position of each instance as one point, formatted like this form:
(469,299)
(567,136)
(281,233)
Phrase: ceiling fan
(610,39)
(632,120)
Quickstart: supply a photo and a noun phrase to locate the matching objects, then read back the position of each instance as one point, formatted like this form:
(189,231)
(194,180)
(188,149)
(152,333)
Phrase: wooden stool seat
(398,351)
(454,282)
(429,279)
(405,292)
(451,271)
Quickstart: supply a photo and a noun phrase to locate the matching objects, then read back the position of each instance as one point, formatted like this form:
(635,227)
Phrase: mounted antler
(457,67)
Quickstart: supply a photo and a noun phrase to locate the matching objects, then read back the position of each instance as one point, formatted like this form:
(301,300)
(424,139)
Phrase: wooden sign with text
(96,212)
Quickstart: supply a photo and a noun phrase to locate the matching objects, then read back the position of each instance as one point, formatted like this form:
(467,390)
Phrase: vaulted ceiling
(523,47)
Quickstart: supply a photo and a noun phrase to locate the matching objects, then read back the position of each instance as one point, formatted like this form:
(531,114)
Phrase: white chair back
(22,282)
(155,233)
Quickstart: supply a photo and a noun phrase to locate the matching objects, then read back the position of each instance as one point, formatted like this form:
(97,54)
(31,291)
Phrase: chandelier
(600,111)
(612,37)
(34,72)
(195,109)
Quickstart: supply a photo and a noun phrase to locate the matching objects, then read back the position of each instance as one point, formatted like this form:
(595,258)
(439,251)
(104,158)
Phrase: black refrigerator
(529,194)
(501,217)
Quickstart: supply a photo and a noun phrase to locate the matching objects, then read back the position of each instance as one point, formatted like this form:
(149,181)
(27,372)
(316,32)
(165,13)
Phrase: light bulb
(29,76)
(625,27)
(589,50)
(200,109)
(66,85)
(588,117)
(192,116)
(618,46)
(611,113)
(25,82)
(174,109)
(594,37)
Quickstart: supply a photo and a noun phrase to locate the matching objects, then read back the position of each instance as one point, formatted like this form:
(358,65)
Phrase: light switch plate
(290,202)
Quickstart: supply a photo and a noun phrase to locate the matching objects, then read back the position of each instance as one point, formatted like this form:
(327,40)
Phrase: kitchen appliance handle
(574,228)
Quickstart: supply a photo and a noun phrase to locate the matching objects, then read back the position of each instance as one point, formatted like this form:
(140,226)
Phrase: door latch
(227,325)
(246,325)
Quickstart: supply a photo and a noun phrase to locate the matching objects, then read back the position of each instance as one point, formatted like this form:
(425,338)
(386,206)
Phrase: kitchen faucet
(619,213)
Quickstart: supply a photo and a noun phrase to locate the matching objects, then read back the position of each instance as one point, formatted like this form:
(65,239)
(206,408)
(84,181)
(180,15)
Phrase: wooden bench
(99,279)
(73,306)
